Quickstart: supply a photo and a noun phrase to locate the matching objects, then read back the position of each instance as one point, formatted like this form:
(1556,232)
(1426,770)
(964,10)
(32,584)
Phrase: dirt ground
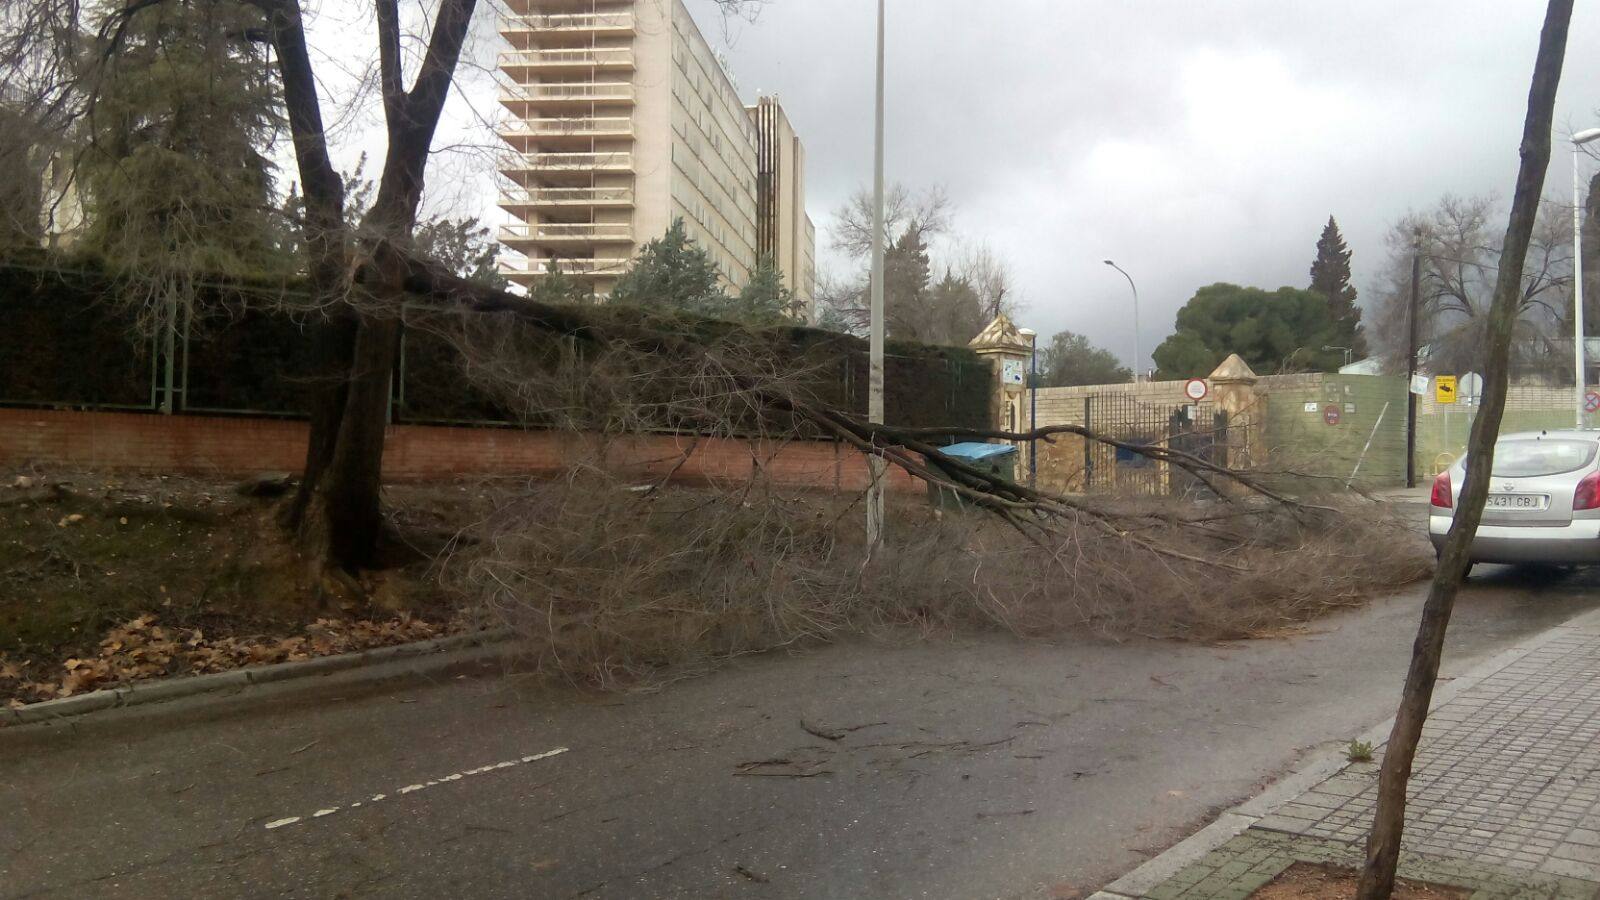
(1307,881)
(108,578)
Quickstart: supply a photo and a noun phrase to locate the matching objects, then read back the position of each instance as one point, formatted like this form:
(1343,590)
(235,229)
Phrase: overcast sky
(1190,142)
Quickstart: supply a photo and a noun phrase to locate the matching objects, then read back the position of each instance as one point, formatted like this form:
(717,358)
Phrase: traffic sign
(1471,387)
(1330,414)
(1196,389)
(1591,402)
(1444,389)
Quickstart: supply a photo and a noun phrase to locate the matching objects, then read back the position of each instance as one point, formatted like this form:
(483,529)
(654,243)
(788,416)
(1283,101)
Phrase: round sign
(1591,402)
(1195,389)
(1330,414)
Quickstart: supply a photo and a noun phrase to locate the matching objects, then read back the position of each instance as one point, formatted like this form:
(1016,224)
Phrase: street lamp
(1578,140)
(875,462)
(1033,401)
(1137,359)
(1347,352)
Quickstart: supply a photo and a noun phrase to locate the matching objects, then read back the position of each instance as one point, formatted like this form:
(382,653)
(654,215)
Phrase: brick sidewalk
(1505,793)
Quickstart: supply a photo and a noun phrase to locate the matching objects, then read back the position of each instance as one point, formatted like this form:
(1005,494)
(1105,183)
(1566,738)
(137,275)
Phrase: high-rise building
(623,119)
(784,233)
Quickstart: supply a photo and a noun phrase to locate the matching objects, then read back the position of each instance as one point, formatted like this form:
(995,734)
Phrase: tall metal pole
(1033,410)
(1137,356)
(875,504)
(1411,361)
(1577,290)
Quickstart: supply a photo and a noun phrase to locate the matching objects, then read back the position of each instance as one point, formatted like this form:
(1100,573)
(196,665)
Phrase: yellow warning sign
(1444,389)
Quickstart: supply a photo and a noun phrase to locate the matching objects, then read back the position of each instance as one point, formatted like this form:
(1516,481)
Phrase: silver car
(1543,505)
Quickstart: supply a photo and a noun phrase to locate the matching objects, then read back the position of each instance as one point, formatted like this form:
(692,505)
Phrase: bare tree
(927,211)
(1460,265)
(1383,844)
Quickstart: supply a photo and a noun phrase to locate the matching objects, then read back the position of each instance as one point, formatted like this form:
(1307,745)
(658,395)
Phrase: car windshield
(1539,456)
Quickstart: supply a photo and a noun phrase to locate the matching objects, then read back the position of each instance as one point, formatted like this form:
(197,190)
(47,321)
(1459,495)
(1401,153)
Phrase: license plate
(1518,501)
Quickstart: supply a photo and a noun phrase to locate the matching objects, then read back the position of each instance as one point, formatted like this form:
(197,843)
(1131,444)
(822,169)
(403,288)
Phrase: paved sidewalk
(1504,796)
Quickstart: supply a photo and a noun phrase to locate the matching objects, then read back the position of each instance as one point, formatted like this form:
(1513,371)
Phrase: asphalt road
(980,767)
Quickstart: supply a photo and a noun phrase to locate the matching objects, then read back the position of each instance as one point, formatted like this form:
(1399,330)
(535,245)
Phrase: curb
(460,648)
(1235,821)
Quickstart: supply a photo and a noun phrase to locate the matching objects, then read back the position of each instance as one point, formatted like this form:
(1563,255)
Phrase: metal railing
(570,22)
(569,267)
(598,91)
(573,196)
(582,56)
(532,161)
(609,231)
(586,125)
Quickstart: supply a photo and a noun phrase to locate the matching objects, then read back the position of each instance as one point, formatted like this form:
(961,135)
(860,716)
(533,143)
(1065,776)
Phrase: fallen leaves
(141,648)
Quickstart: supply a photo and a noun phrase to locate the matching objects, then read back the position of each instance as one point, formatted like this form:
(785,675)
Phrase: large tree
(918,305)
(1069,359)
(173,174)
(1460,267)
(1330,277)
(1277,331)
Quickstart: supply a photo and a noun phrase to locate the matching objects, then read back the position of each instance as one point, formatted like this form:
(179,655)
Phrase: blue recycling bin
(996,459)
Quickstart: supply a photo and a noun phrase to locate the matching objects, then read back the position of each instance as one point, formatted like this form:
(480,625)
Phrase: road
(976,767)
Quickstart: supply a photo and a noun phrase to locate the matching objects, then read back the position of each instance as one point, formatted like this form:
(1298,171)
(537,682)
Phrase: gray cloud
(1192,142)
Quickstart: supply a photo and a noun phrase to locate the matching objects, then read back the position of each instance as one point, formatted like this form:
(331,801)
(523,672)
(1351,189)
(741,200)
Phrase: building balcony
(523,64)
(522,134)
(566,198)
(523,165)
(522,236)
(521,30)
(524,99)
(605,268)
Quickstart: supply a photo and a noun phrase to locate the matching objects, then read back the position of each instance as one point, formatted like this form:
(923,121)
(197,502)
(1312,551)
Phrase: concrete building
(784,231)
(622,120)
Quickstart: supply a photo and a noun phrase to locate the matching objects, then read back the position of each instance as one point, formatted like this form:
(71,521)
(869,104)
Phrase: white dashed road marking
(413,788)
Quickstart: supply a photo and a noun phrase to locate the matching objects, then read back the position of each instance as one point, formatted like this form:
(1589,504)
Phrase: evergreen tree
(176,182)
(1069,359)
(1330,277)
(765,299)
(673,272)
(906,272)
(556,286)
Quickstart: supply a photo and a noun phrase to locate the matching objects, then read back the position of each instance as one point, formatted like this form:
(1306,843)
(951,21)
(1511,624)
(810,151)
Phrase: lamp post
(1033,402)
(1578,140)
(875,462)
(1138,363)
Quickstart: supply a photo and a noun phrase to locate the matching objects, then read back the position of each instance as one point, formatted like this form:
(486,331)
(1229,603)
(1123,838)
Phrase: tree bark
(1383,844)
(344,516)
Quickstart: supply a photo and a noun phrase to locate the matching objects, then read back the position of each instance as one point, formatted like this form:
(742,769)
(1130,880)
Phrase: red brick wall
(215,445)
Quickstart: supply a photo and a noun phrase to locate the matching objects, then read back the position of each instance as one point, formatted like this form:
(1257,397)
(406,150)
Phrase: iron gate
(1198,429)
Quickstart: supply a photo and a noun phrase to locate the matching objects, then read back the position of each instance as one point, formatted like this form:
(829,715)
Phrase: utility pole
(1578,140)
(1411,360)
(875,462)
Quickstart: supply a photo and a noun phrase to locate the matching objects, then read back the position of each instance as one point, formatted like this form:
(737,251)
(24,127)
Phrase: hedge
(66,344)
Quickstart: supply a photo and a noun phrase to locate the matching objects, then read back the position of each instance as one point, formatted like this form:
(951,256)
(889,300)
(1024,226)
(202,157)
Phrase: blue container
(996,459)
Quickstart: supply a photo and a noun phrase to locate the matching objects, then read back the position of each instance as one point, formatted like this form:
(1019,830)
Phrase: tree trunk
(336,514)
(1383,844)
